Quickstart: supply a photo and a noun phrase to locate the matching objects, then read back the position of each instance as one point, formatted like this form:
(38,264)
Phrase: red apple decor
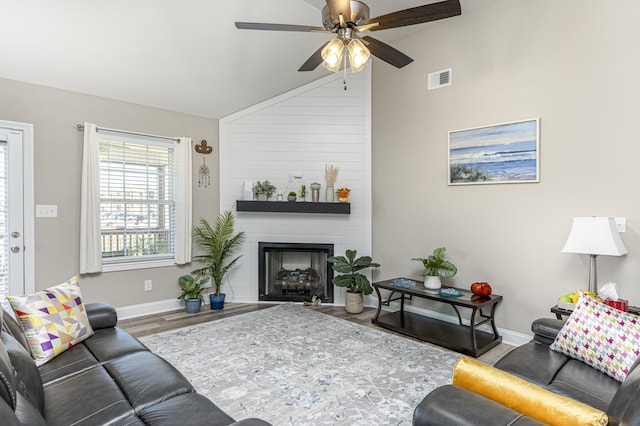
(481,289)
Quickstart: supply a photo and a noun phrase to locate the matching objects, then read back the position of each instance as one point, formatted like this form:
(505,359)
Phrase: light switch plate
(46,210)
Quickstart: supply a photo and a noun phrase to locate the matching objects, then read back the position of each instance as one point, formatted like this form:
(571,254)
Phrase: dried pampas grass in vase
(330,173)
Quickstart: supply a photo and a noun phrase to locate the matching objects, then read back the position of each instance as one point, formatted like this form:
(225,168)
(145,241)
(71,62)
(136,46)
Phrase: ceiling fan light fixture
(358,55)
(332,55)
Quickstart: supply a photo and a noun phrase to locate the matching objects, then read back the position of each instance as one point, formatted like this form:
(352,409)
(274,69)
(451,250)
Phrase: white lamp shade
(594,235)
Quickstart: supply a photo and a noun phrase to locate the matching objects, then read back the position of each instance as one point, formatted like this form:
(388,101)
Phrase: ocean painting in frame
(501,153)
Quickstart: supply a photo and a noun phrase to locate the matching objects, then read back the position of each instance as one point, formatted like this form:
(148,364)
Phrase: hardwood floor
(166,321)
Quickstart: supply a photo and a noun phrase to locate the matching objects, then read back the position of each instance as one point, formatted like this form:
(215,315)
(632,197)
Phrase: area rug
(291,365)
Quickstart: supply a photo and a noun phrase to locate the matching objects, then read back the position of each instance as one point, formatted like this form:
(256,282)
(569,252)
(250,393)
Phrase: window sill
(129,266)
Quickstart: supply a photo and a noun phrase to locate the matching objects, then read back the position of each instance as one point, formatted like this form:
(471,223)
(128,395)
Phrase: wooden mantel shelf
(292,207)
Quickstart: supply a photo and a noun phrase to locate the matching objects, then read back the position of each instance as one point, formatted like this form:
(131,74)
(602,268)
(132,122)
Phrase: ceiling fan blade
(314,60)
(340,7)
(389,54)
(417,15)
(278,27)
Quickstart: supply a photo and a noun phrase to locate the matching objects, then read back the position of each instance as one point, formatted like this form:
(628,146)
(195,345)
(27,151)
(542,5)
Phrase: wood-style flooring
(166,321)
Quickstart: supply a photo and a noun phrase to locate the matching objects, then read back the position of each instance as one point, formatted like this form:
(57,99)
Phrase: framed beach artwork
(501,153)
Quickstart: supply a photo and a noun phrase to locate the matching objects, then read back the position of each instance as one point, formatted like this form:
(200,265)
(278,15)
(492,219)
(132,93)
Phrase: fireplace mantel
(292,207)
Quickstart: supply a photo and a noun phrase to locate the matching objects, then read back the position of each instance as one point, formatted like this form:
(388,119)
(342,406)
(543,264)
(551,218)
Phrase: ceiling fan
(347,19)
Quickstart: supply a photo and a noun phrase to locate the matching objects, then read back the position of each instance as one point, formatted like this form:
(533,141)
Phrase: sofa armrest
(101,315)
(545,330)
(453,405)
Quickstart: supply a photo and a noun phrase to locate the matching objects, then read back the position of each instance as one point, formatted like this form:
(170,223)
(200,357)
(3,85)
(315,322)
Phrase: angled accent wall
(300,132)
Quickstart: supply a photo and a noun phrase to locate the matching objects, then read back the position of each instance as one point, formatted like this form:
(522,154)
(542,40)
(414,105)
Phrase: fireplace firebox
(295,272)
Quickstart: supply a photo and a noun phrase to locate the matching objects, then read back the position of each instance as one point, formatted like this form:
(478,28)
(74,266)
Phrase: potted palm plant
(356,283)
(192,288)
(435,267)
(219,243)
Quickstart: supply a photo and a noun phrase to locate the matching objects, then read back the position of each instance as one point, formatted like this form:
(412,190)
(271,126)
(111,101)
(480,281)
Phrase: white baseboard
(509,337)
(134,311)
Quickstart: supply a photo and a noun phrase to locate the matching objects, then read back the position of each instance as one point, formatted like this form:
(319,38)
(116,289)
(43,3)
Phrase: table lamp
(594,236)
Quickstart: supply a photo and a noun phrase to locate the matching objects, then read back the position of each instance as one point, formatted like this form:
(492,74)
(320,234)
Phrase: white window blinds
(133,212)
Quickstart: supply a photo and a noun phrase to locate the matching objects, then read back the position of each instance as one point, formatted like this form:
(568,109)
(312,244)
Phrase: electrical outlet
(148,285)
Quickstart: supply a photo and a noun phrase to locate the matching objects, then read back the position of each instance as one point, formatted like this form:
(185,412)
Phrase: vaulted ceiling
(180,55)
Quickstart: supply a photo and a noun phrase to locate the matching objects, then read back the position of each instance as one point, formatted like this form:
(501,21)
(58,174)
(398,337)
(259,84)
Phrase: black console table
(459,337)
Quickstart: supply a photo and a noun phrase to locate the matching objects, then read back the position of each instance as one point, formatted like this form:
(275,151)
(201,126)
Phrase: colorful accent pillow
(601,336)
(53,320)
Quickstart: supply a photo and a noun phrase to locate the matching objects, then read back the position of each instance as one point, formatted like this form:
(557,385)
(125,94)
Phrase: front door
(16,225)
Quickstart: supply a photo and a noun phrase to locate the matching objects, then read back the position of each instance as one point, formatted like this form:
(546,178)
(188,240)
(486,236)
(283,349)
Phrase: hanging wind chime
(204,177)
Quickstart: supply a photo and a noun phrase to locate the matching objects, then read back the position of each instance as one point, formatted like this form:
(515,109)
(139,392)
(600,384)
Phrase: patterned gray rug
(290,365)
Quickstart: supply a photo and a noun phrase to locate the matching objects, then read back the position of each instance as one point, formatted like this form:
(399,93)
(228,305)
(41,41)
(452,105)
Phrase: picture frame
(498,153)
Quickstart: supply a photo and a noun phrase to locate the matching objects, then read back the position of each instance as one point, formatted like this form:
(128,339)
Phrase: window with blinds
(137,198)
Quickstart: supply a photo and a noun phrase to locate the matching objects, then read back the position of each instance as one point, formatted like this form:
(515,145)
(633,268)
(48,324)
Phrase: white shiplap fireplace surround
(299,133)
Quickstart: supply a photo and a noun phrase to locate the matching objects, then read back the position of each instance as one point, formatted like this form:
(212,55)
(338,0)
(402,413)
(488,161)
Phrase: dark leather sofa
(536,363)
(109,378)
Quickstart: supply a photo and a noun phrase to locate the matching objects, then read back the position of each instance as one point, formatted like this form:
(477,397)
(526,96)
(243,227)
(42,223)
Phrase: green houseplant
(435,267)
(356,283)
(292,196)
(192,288)
(264,190)
(219,243)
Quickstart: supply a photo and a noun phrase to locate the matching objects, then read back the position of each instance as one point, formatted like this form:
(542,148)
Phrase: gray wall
(58,155)
(572,63)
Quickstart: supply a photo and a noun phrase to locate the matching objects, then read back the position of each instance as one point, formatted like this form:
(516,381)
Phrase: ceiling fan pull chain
(344,79)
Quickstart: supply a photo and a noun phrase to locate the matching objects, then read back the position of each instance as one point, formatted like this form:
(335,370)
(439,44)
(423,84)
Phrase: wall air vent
(439,79)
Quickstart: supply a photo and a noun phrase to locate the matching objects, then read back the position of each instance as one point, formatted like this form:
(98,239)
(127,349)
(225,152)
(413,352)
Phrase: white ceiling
(179,55)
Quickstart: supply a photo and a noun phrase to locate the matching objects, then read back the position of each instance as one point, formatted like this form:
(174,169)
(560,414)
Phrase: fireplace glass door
(295,272)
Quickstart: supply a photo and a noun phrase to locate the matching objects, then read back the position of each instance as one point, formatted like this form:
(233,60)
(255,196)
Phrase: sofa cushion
(585,384)
(453,405)
(601,336)
(53,320)
(190,409)
(89,397)
(73,361)
(534,362)
(137,376)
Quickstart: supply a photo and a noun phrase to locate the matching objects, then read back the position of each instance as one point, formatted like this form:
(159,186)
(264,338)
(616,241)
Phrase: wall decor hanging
(500,153)
(204,176)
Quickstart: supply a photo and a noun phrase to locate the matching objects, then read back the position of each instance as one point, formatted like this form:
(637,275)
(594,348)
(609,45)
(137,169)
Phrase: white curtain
(90,235)
(183,221)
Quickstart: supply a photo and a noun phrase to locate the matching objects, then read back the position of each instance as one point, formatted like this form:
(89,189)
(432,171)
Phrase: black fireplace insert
(295,272)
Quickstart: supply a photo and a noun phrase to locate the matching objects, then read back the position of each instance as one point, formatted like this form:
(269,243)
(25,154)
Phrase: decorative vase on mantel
(263,197)
(330,194)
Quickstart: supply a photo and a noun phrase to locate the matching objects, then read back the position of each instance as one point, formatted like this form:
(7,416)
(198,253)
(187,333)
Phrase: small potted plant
(192,288)
(292,196)
(219,243)
(264,190)
(356,283)
(435,267)
(303,192)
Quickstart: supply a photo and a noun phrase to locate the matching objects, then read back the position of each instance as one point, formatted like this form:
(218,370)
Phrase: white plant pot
(432,283)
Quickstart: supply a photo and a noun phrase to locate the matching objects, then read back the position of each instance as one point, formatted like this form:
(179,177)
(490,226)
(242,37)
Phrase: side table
(459,337)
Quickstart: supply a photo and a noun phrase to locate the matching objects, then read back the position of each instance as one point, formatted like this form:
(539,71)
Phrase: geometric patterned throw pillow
(53,320)
(601,336)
